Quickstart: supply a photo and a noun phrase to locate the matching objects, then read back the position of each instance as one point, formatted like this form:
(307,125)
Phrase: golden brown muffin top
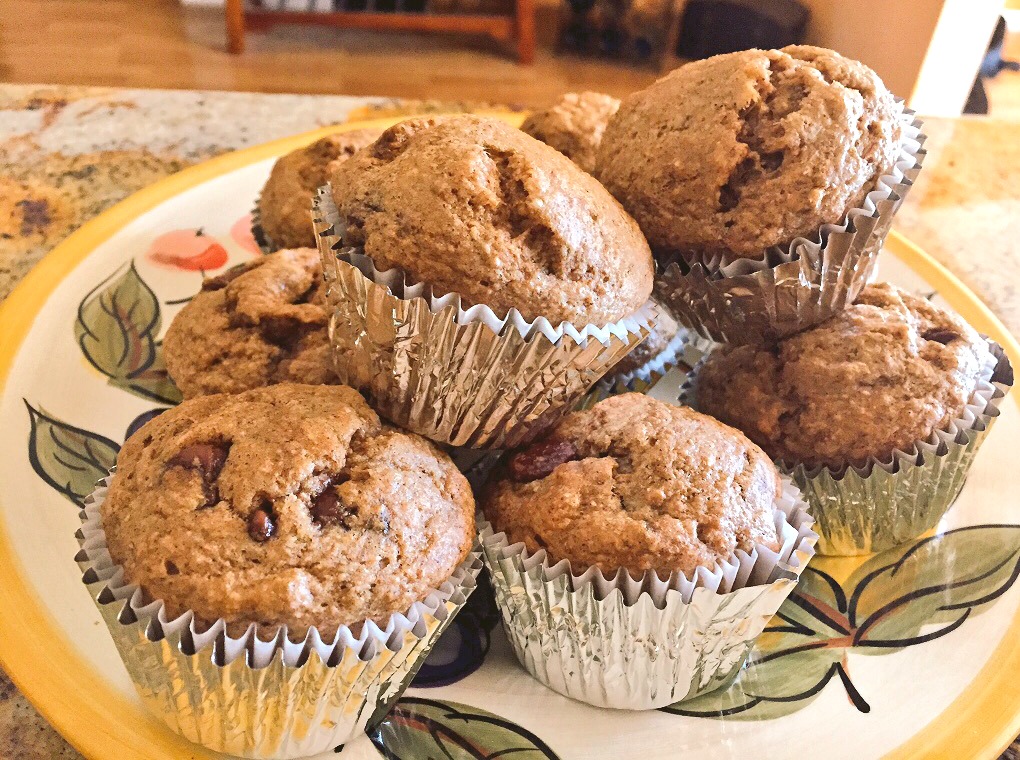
(260,323)
(289,505)
(639,484)
(886,372)
(574,125)
(285,204)
(740,152)
(472,206)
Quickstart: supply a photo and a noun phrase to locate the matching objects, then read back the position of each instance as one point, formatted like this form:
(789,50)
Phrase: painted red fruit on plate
(190,250)
(241,233)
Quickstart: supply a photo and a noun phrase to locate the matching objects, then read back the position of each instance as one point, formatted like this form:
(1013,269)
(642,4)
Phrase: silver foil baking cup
(642,644)
(747,301)
(265,244)
(258,696)
(456,375)
(879,504)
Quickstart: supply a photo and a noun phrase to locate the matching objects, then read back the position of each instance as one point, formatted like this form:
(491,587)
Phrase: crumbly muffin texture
(574,125)
(739,152)
(260,323)
(472,206)
(881,375)
(285,204)
(290,505)
(639,484)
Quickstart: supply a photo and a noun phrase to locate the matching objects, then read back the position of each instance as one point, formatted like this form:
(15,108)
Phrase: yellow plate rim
(49,672)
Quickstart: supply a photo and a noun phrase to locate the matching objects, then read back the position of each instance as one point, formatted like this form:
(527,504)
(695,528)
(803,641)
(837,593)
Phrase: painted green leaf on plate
(427,729)
(116,328)
(68,458)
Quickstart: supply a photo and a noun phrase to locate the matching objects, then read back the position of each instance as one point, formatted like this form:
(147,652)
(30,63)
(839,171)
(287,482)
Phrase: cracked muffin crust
(286,201)
(260,323)
(289,505)
(739,152)
(574,125)
(886,372)
(472,206)
(640,484)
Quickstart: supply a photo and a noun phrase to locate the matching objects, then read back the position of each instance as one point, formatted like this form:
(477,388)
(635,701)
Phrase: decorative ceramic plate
(905,654)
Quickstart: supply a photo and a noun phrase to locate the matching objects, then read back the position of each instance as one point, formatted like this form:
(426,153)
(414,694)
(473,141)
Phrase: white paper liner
(459,375)
(642,644)
(740,300)
(868,507)
(259,695)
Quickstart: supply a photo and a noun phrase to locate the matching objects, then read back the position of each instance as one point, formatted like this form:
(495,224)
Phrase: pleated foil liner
(868,508)
(460,376)
(257,697)
(758,302)
(642,644)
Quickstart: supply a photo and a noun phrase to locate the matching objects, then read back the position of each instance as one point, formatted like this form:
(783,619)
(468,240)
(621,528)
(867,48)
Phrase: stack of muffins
(276,556)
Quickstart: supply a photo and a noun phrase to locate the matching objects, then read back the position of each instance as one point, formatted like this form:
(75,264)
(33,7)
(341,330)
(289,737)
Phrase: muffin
(639,484)
(291,505)
(479,282)
(284,207)
(574,125)
(877,414)
(638,551)
(663,336)
(886,372)
(472,206)
(275,565)
(260,323)
(740,152)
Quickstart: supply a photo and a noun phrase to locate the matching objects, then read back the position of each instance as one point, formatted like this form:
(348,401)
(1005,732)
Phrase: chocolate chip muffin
(472,206)
(286,201)
(886,372)
(739,152)
(574,125)
(639,484)
(289,505)
(260,323)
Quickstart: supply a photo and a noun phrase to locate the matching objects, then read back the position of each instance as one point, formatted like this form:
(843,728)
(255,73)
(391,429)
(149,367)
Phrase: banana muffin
(574,125)
(640,484)
(289,505)
(260,323)
(472,206)
(883,374)
(739,152)
(285,205)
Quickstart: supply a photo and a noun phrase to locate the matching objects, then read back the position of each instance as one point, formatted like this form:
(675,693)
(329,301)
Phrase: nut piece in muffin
(640,484)
(574,125)
(740,152)
(260,323)
(286,201)
(883,374)
(289,505)
(472,206)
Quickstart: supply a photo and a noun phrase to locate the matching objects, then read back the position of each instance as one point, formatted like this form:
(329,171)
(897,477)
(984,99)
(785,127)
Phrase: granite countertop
(68,153)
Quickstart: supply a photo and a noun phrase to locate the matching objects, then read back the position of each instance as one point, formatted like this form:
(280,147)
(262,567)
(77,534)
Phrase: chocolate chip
(329,509)
(540,459)
(221,281)
(945,337)
(207,459)
(171,568)
(261,525)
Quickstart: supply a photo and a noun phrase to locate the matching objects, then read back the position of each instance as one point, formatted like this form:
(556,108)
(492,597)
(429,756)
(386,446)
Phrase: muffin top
(639,484)
(472,206)
(260,323)
(739,152)
(286,201)
(884,373)
(289,505)
(574,125)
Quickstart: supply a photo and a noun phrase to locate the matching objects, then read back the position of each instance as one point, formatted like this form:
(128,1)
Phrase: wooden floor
(159,43)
